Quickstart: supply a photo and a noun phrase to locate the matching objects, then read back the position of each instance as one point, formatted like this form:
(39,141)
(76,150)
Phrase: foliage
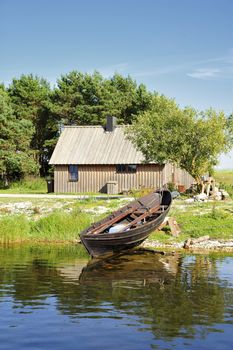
(85,99)
(187,138)
(16,159)
(31,101)
(161,130)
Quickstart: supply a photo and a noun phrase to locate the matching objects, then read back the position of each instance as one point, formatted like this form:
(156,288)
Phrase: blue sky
(181,48)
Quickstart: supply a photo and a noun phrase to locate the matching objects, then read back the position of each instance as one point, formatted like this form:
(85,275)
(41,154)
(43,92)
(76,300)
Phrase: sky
(180,48)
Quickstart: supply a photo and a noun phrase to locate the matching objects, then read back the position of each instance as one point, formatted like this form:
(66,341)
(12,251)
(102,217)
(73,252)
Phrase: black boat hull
(104,244)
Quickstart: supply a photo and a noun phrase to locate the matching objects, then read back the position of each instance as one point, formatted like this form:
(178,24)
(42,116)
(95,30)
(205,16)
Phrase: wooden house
(102,159)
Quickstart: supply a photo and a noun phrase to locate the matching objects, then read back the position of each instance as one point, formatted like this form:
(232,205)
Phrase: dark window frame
(126,168)
(73,173)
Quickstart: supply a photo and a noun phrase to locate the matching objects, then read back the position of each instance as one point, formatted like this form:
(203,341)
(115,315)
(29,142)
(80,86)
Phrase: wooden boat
(127,227)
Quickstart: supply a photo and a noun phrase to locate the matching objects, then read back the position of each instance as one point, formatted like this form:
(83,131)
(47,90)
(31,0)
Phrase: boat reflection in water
(133,268)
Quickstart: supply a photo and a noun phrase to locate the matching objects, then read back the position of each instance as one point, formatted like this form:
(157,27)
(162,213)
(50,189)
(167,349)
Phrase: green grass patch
(56,227)
(224,176)
(214,219)
(60,226)
(14,229)
(70,217)
(28,185)
(225,180)
(216,224)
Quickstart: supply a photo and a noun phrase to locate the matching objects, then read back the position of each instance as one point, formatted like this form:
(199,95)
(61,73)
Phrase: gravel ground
(208,245)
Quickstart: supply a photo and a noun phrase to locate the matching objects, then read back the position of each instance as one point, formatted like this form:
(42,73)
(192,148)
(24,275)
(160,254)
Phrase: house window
(132,168)
(73,173)
(126,168)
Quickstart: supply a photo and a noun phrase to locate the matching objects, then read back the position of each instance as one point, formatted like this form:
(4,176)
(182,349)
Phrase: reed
(56,227)
(14,229)
(60,226)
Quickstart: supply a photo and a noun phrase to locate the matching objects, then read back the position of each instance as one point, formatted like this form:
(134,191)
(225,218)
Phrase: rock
(189,200)
(201,197)
(217,196)
(225,194)
(175,194)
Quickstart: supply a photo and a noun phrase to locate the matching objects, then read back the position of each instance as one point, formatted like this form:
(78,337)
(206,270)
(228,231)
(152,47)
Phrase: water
(55,298)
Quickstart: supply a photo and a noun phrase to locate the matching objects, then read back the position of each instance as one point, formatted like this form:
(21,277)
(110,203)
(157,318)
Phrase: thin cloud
(199,69)
(205,73)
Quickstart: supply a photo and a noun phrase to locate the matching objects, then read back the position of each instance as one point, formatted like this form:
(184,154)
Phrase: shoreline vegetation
(49,220)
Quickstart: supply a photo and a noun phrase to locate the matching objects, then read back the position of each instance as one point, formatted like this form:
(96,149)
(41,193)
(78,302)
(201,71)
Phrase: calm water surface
(55,298)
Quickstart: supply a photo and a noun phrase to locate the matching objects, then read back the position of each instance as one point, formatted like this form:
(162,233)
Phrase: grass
(217,223)
(56,227)
(14,228)
(214,219)
(225,180)
(224,176)
(28,185)
(62,225)
(52,220)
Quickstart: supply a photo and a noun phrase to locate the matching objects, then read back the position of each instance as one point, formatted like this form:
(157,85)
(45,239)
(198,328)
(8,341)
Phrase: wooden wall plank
(93,178)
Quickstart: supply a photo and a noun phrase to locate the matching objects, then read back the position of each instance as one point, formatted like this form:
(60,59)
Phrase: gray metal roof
(93,145)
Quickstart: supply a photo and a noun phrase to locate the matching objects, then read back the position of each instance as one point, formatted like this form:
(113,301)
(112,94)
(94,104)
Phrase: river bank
(56,219)
(208,245)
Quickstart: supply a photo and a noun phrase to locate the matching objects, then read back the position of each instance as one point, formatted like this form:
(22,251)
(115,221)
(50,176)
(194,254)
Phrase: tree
(125,99)
(31,100)
(16,159)
(77,99)
(86,99)
(192,140)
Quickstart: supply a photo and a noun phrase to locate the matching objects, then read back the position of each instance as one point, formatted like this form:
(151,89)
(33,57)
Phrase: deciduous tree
(192,140)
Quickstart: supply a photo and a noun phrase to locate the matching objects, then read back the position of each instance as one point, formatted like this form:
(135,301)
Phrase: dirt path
(56,196)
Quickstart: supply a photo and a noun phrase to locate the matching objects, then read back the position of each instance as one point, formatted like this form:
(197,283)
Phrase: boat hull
(107,244)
